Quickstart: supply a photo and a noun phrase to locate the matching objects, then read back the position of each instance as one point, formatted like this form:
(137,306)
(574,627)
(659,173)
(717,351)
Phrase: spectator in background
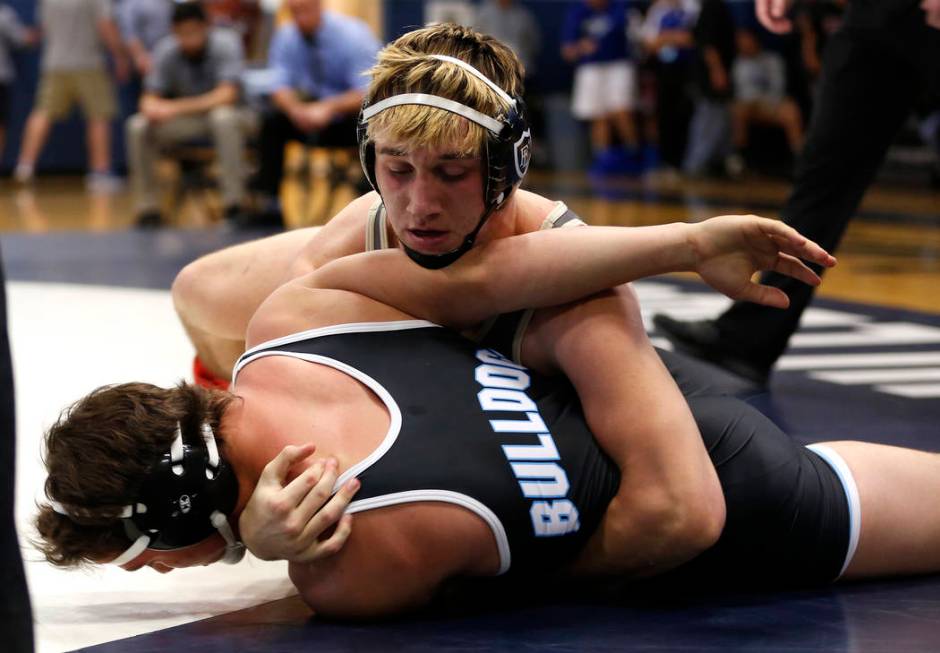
(710,129)
(144,23)
(816,22)
(317,61)
(74,70)
(515,26)
(13,34)
(759,97)
(594,38)
(667,36)
(190,93)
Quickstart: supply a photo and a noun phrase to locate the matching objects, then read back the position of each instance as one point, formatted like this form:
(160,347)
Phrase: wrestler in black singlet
(472,428)
(504,333)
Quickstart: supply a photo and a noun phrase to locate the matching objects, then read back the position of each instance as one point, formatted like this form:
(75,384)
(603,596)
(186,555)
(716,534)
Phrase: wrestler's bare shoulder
(532,210)
(296,307)
(343,235)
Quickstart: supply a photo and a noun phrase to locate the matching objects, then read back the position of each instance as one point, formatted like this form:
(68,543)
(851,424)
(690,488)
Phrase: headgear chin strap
(185,497)
(506,154)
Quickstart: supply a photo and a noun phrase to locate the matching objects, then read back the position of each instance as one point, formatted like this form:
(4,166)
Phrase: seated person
(760,96)
(192,92)
(318,61)
(470,465)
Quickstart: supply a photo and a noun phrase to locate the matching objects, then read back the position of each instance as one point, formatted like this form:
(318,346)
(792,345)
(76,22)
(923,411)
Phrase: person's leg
(4,115)
(98,132)
(673,112)
(228,136)
(16,622)
(626,127)
(709,136)
(34,137)
(621,89)
(141,163)
(216,295)
(54,99)
(898,492)
(97,97)
(740,123)
(866,93)
(600,134)
(276,130)
(789,117)
(867,90)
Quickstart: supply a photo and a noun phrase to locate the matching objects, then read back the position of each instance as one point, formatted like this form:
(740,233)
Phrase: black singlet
(471,428)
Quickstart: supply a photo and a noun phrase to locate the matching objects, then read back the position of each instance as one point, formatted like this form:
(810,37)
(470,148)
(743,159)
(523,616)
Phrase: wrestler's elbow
(679,527)
(190,291)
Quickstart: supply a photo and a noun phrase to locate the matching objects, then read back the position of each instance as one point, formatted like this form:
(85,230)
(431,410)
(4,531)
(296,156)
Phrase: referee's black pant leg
(16,622)
(866,91)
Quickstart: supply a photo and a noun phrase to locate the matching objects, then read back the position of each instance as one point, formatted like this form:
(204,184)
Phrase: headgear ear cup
(185,497)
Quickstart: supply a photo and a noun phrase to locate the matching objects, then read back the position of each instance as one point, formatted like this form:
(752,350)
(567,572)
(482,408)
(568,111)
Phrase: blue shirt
(607,27)
(329,63)
(146,21)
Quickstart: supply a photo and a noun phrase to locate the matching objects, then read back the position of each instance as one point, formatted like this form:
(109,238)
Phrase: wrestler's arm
(669,506)
(555,266)
(396,559)
(216,295)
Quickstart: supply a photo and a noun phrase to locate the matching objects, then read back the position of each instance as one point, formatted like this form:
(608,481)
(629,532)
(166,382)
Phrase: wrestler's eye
(451,174)
(399,171)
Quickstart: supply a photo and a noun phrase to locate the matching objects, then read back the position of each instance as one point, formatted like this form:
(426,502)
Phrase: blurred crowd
(691,87)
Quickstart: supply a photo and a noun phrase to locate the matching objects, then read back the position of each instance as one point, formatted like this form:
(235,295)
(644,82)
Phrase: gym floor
(89,304)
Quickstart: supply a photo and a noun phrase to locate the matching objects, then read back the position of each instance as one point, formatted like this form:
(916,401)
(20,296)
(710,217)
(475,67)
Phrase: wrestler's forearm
(669,491)
(534,270)
(556,266)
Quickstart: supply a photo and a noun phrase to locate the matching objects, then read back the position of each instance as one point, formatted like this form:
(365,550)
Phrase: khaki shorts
(59,90)
(601,89)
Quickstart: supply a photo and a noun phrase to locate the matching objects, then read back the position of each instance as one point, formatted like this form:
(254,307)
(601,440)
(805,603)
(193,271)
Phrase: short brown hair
(98,453)
(403,66)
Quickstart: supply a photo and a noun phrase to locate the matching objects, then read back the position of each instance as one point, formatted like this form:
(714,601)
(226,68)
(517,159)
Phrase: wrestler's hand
(730,249)
(290,520)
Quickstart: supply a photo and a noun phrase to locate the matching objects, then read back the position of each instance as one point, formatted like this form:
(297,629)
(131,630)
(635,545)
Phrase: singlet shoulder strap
(376,234)
(562,216)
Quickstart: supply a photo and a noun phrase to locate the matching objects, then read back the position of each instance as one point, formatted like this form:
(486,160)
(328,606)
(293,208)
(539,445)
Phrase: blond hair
(405,67)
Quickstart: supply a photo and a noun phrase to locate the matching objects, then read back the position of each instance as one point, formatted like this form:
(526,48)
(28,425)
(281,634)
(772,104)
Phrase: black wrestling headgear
(506,155)
(185,497)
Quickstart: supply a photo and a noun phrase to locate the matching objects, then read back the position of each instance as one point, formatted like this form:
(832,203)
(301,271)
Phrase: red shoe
(207,379)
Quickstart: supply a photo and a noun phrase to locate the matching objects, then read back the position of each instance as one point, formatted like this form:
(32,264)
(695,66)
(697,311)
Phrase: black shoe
(148,220)
(701,339)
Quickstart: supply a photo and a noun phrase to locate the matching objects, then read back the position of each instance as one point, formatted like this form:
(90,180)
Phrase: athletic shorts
(60,90)
(792,512)
(603,88)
